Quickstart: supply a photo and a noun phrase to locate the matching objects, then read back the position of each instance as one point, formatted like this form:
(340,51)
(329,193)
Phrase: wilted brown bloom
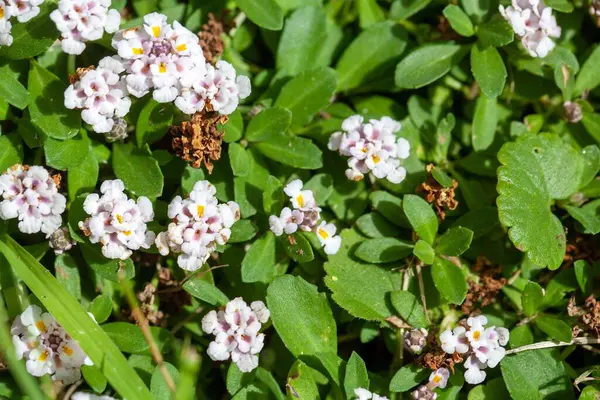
(437,358)
(150,311)
(573,112)
(589,316)
(211,37)
(79,73)
(199,141)
(441,197)
(484,292)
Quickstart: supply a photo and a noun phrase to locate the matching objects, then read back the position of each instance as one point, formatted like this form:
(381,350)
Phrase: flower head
(330,241)
(236,332)
(80,21)
(199,224)
(89,396)
(47,347)
(60,240)
(416,339)
(365,394)
(117,222)
(31,195)
(439,377)
(372,147)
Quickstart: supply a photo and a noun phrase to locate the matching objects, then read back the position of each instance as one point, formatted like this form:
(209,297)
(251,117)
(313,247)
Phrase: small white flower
(476,334)
(365,394)
(301,199)
(23,10)
(47,347)
(330,241)
(474,373)
(80,21)
(287,222)
(89,396)
(236,333)
(199,224)
(117,222)
(440,377)
(454,341)
(31,195)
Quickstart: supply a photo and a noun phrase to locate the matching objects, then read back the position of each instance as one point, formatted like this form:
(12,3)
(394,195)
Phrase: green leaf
(408,377)
(563,6)
(450,280)
(586,217)
(66,154)
(454,241)
(273,196)
(291,150)
(536,169)
(12,151)
(92,339)
(477,10)
(268,123)
(591,123)
(205,291)
(554,327)
(389,206)
(375,51)
(67,273)
(496,32)
(260,259)
(11,89)
(301,40)
(242,231)
(358,287)
(484,123)
(159,388)
(588,77)
(307,94)
(31,38)
(424,252)
(322,187)
(489,70)
(240,163)
(369,13)
(459,20)
(128,337)
(153,122)
(264,13)
(101,308)
(374,225)
(409,308)
(585,275)
(383,250)
(421,217)
(106,267)
(302,381)
(537,374)
(302,316)
(297,247)
(348,200)
(46,106)
(247,196)
(94,378)
(356,375)
(234,128)
(138,170)
(532,298)
(427,64)
(82,178)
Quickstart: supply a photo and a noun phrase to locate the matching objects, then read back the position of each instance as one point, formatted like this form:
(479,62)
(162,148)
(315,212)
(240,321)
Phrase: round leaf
(427,64)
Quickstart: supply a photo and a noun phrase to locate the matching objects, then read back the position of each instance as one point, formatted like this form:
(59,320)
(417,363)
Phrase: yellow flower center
(41,326)
(376,159)
(200,210)
(137,50)
(43,356)
(127,233)
(323,233)
(162,68)
(119,218)
(156,31)
(300,200)
(437,379)
(1,12)
(68,351)
(476,335)
(181,47)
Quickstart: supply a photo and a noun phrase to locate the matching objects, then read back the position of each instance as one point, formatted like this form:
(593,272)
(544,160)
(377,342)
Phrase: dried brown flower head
(199,141)
(442,198)
(211,37)
(484,292)
(79,73)
(589,316)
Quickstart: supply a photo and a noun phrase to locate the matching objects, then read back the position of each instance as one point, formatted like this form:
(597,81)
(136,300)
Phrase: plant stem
(143,324)
(549,344)
(422,289)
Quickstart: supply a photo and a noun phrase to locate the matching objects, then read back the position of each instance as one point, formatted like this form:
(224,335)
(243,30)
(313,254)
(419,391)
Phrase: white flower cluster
(22,10)
(101,95)
(372,147)
(534,23)
(236,332)
(31,195)
(117,222)
(199,225)
(364,394)
(47,347)
(305,217)
(80,21)
(482,346)
(169,60)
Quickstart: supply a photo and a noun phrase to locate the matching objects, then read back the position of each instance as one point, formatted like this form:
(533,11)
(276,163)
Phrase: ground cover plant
(301,199)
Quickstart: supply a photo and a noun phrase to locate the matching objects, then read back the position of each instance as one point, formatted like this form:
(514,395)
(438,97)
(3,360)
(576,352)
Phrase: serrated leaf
(307,93)
(408,377)
(536,169)
(485,121)
(454,241)
(373,52)
(260,259)
(269,123)
(449,279)
(459,20)
(532,298)
(356,375)
(264,13)
(138,170)
(421,217)
(427,64)
(554,327)
(409,308)
(489,70)
(302,316)
(383,250)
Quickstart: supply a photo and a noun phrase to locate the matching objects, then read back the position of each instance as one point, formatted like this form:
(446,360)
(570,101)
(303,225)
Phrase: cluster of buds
(101,94)
(236,332)
(305,216)
(365,394)
(483,347)
(31,195)
(117,222)
(416,340)
(60,240)
(534,23)
(80,21)
(22,10)
(372,147)
(438,378)
(47,347)
(199,224)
